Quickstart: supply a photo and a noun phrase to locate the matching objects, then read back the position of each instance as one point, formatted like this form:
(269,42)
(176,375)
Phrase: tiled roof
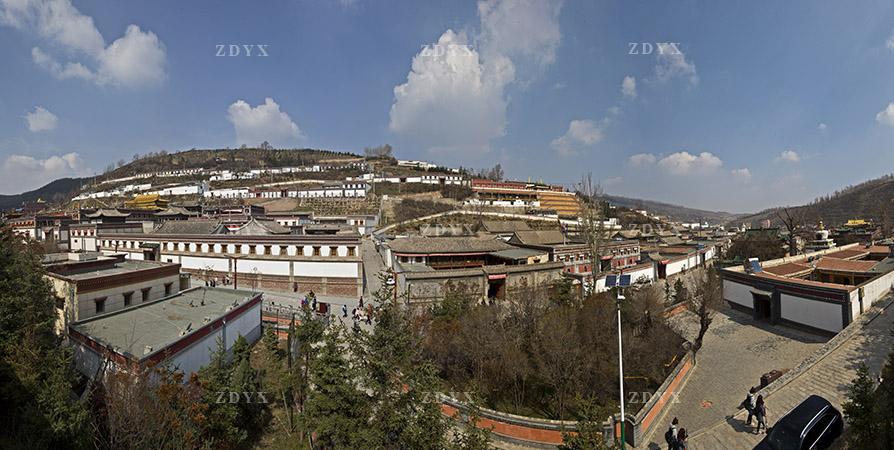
(788,269)
(106,213)
(425,245)
(844,265)
(543,237)
(189,227)
(805,282)
(851,253)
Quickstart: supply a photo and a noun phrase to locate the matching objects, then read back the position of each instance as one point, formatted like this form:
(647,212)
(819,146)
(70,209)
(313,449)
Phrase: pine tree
(337,411)
(589,429)
(402,383)
(35,372)
(860,408)
(222,415)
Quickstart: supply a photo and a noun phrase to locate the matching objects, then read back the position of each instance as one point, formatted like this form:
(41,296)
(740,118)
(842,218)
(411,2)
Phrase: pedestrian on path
(344,311)
(681,440)
(760,413)
(670,436)
(361,302)
(749,404)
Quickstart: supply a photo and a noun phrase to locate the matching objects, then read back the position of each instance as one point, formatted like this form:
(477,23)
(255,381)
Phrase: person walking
(361,302)
(760,413)
(670,436)
(344,311)
(749,404)
(681,440)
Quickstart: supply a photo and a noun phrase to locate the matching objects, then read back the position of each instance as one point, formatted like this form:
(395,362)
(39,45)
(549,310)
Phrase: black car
(812,425)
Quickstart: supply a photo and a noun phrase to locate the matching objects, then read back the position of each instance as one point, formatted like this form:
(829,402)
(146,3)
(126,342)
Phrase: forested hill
(871,200)
(54,192)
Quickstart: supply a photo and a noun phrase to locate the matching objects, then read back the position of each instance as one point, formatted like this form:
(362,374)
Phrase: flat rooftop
(159,324)
(101,267)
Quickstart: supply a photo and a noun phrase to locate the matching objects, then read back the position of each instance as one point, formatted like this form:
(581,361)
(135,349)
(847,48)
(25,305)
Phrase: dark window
(333,251)
(100,305)
(251,249)
(128,296)
(316,251)
(350,251)
(268,250)
(145,292)
(168,289)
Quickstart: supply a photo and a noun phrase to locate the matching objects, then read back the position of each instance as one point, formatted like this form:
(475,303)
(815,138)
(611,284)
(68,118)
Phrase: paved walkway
(736,352)
(828,377)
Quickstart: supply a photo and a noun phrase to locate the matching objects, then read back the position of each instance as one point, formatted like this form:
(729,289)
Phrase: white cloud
(262,123)
(642,159)
(520,28)
(134,60)
(580,133)
(822,127)
(41,120)
(741,174)
(890,42)
(21,173)
(628,87)
(886,116)
(683,163)
(672,63)
(789,156)
(452,100)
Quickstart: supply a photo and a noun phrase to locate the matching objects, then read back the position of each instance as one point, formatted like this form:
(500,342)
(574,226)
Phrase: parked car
(812,425)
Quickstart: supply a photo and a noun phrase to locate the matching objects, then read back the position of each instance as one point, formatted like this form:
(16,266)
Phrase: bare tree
(793,221)
(592,225)
(704,299)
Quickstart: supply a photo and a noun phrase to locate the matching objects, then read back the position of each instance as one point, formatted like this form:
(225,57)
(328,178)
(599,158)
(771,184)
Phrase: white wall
(324,269)
(738,293)
(817,314)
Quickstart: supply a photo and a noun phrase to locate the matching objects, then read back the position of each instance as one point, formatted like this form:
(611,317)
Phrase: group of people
(213,281)
(360,313)
(757,409)
(676,438)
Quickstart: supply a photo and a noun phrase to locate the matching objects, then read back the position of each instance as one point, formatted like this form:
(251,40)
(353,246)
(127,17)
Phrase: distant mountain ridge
(870,200)
(675,212)
(55,191)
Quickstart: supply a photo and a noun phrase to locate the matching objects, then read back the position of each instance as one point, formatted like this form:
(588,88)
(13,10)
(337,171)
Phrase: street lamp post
(621,368)
(620,281)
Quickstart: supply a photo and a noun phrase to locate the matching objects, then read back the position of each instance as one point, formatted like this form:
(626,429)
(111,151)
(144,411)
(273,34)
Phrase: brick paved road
(736,352)
(829,377)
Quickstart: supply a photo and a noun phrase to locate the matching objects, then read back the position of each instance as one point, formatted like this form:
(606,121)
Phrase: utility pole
(621,368)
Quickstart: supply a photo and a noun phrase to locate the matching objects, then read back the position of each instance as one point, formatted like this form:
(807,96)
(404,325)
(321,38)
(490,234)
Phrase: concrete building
(429,268)
(820,291)
(261,254)
(181,330)
(90,284)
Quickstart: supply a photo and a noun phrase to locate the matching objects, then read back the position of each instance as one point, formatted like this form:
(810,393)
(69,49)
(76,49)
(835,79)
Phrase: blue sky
(764,104)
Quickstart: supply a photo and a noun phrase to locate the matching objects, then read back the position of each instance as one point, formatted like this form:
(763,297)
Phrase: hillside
(863,201)
(231,159)
(675,212)
(56,191)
